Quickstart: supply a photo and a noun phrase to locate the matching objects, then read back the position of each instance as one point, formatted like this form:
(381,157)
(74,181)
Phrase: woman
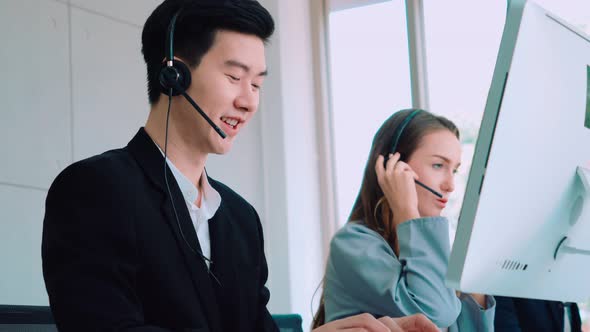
(391,258)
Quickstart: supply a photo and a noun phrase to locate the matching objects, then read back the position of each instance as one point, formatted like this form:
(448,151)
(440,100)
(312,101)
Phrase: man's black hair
(195,31)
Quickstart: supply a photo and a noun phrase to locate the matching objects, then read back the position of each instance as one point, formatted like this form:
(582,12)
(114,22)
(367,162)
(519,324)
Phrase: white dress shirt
(200,216)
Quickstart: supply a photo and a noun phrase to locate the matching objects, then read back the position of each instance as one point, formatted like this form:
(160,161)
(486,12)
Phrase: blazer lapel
(556,314)
(184,233)
(152,162)
(575,321)
(223,250)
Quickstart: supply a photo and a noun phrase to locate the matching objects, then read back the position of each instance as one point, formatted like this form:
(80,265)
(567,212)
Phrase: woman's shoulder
(357,231)
(357,239)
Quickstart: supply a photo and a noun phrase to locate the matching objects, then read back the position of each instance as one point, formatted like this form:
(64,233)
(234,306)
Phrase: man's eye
(233,78)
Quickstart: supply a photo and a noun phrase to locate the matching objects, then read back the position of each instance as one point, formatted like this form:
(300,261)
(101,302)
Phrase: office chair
(22,318)
(288,323)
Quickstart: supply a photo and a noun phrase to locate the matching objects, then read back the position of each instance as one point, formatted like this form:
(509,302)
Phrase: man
(128,248)
(140,238)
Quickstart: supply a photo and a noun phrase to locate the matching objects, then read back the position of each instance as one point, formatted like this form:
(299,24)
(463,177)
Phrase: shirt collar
(211,199)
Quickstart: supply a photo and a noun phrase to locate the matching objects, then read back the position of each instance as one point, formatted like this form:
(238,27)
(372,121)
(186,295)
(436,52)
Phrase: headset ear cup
(177,78)
(185,74)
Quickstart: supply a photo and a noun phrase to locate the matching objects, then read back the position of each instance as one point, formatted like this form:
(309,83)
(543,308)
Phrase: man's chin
(223,148)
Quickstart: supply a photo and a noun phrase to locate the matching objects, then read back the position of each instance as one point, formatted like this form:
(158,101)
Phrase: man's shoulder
(97,169)
(110,159)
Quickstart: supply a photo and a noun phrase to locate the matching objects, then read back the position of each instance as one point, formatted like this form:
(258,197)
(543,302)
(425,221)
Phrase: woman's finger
(379,168)
(362,322)
(402,167)
(417,322)
(393,160)
(391,324)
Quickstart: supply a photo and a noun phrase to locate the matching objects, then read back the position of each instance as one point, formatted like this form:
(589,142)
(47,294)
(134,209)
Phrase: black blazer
(114,258)
(516,315)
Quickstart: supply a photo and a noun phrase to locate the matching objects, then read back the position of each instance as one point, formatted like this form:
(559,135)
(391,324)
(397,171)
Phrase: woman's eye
(233,78)
(256,86)
(455,171)
(437,166)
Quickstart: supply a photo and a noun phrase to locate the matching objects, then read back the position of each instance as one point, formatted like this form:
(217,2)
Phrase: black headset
(397,134)
(175,78)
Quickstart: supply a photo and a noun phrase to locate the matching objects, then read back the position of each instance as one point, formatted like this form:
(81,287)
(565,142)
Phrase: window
(462,42)
(370,77)
(370,80)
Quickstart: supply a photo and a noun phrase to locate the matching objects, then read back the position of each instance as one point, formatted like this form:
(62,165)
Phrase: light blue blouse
(363,274)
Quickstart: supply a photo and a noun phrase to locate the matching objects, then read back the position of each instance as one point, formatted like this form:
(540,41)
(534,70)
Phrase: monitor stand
(580,213)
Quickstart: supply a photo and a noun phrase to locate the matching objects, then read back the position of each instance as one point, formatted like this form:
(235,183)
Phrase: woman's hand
(368,323)
(396,180)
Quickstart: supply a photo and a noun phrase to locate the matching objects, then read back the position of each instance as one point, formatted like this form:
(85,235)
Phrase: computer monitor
(524,227)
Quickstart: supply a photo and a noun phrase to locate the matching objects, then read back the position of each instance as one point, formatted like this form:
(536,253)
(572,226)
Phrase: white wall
(77,88)
(72,86)
(34,131)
